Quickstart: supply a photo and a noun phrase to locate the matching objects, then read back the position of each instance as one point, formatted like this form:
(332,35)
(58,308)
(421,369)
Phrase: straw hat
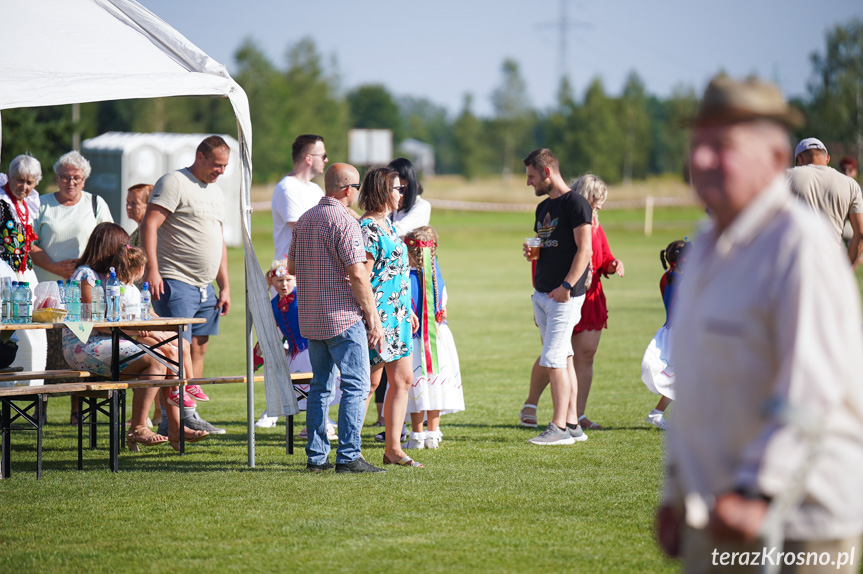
(729,101)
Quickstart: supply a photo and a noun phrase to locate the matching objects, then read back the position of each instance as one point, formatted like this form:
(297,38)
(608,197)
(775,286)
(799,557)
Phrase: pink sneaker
(174,400)
(196,392)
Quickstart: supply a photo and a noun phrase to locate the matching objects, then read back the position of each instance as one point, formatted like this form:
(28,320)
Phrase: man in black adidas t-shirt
(563,226)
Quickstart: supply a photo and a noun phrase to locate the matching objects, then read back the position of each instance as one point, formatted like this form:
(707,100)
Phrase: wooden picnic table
(113,396)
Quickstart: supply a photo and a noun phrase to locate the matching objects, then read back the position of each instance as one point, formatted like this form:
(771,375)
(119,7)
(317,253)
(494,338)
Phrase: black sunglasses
(400,189)
(353,185)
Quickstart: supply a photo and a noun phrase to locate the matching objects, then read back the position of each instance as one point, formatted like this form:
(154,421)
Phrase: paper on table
(80,328)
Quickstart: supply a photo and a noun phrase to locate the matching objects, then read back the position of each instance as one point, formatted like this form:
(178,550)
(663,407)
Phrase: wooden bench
(33,396)
(45,375)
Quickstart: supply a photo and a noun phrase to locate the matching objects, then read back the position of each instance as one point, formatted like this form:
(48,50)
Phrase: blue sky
(443,49)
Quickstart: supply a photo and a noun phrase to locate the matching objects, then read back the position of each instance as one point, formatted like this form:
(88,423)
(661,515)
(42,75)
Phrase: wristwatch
(567,286)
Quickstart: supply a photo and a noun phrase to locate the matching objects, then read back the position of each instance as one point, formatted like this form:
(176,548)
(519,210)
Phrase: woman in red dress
(594,313)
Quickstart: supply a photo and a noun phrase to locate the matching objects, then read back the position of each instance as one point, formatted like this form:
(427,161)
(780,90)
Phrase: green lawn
(486,501)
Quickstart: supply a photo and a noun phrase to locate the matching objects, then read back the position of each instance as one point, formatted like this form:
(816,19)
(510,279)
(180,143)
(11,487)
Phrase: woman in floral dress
(19,208)
(387,262)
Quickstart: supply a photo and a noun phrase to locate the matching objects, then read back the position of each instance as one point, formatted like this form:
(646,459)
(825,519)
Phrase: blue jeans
(349,351)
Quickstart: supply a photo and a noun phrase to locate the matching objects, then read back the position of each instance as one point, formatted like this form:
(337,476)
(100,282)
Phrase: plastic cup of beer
(533,244)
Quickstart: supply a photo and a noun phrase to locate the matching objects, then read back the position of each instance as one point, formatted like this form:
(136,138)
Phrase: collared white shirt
(768,342)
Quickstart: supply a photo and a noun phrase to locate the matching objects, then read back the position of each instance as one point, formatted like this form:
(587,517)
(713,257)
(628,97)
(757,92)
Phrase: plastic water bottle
(124,307)
(98,299)
(73,302)
(61,304)
(25,303)
(6,298)
(145,302)
(112,296)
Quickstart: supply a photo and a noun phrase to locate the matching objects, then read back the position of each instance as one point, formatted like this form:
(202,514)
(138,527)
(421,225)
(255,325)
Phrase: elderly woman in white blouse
(66,219)
(19,210)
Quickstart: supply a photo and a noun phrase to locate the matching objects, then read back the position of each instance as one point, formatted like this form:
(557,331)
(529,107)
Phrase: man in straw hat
(766,440)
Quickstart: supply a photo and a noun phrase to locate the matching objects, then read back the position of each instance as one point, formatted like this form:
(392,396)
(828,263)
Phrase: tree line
(629,136)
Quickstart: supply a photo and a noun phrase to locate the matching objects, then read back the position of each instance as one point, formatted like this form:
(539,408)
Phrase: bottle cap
(146,286)
(98,281)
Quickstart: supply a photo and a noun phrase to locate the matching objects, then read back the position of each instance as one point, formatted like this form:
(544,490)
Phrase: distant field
(513,190)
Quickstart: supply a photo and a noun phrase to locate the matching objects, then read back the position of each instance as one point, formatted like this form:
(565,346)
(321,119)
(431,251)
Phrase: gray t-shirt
(826,191)
(190,240)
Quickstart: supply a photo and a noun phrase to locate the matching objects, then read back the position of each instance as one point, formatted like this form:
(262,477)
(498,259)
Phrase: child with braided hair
(437,379)
(657,370)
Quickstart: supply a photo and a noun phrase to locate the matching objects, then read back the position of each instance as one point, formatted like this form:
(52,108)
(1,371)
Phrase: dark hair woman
(413,211)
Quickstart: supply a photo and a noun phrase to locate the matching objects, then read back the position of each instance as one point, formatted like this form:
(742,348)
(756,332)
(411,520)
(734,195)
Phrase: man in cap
(828,192)
(769,409)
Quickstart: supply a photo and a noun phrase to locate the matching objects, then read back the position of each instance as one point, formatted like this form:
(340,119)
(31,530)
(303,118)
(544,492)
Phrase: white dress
(657,371)
(439,391)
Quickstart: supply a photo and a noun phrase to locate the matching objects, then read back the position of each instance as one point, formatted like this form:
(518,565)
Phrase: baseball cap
(809,143)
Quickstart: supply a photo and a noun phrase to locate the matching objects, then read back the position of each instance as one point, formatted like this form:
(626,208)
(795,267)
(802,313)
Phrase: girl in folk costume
(286,315)
(437,379)
(657,370)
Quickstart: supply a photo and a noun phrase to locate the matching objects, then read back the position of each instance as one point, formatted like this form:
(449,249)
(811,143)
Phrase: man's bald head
(338,176)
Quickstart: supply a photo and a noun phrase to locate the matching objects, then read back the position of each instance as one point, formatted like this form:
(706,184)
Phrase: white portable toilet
(120,160)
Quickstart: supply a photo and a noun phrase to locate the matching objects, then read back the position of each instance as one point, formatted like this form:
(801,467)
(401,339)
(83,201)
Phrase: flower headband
(412,242)
(278,272)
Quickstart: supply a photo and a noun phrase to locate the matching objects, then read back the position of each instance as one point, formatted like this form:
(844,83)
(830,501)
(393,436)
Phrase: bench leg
(80,434)
(40,408)
(114,447)
(289,434)
(122,400)
(6,470)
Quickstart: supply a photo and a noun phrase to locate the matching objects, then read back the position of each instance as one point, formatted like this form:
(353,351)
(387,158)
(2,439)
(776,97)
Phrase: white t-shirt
(291,199)
(417,216)
(64,230)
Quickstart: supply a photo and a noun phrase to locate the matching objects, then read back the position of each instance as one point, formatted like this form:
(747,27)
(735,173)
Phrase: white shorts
(556,322)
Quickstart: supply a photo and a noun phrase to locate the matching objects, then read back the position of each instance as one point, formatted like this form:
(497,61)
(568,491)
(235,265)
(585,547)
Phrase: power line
(563,24)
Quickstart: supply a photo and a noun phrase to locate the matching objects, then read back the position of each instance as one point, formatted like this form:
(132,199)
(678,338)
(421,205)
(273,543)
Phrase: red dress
(594,313)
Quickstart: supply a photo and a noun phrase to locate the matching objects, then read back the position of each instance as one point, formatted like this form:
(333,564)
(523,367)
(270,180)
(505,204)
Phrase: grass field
(486,501)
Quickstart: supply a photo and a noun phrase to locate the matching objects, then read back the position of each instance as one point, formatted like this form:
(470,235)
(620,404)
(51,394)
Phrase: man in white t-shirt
(296,193)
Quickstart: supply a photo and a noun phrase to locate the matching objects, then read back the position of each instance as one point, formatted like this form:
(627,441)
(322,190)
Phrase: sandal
(406,461)
(527,420)
(588,424)
(143,435)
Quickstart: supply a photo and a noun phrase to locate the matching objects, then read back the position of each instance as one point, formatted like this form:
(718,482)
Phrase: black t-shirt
(555,220)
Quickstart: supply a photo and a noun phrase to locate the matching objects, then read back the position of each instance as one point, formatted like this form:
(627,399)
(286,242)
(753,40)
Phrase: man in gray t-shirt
(182,236)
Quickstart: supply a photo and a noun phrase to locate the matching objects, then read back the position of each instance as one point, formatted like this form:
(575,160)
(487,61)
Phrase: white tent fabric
(97,50)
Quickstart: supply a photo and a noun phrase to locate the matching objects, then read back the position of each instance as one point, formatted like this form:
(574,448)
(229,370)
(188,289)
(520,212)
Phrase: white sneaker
(416,441)
(657,419)
(266,422)
(332,432)
(433,439)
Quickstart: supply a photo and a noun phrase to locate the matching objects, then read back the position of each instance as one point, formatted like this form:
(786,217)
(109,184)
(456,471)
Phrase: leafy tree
(601,137)
(428,122)
(836,88)
(669,131)
(373,107)
(513,115)
(44,132)
(468,142)
(635,124)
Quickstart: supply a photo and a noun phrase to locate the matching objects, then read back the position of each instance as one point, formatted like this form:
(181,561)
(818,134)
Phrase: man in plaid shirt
(334,298)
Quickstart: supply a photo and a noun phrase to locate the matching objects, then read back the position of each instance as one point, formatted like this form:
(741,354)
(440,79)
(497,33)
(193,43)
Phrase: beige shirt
(768,338)
(826,191)
(190,240)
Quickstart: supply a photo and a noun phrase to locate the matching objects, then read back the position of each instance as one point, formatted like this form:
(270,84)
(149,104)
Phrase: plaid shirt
(326,240)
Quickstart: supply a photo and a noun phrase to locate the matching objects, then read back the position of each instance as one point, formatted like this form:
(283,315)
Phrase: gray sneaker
(577,433)
(195,422)
(553,434)
(358,465)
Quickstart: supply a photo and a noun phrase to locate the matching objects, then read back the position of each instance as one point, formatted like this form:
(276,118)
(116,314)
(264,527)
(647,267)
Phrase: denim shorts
(556,322)
(184,300)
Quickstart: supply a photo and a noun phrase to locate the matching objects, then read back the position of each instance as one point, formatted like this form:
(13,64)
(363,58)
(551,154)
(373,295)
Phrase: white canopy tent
(97,50)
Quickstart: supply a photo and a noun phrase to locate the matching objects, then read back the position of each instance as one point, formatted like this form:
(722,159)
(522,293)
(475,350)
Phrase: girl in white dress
(657,369)
(437,379)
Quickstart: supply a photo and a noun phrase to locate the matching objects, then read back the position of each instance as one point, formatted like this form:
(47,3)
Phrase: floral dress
(391,287)
(95,354)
